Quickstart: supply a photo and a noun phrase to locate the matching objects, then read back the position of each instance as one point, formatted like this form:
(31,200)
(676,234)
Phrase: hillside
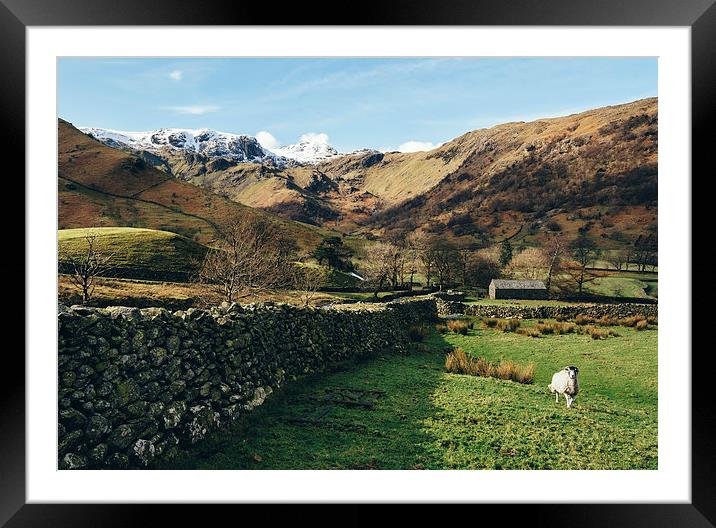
(100,186)
(136,253)
(594,172)
(598,166)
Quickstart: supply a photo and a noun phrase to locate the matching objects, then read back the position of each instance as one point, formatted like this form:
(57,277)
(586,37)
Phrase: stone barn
(517,289)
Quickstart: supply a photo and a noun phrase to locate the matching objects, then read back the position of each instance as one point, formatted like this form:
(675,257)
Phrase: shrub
(458,362)
(458,326)
(654,321)
(417,333)
(489,322)
(508,325)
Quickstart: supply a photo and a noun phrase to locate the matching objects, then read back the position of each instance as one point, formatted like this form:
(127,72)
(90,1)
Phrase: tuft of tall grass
(583,320)
(557,328)
(509,370)
(489,322)
(458,326)
(598,333)
(442,328)
(458,362)
(641,325)
(508,325)
(530,332)
(607,321)
(632,321)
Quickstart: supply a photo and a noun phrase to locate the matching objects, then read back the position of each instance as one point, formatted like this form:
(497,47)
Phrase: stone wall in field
(547,312)
(137,385)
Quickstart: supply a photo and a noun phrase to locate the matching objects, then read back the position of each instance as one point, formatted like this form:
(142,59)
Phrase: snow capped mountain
(210,143)
(311,148)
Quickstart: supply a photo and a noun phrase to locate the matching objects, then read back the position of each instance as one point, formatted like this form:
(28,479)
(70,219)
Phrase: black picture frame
(16,15)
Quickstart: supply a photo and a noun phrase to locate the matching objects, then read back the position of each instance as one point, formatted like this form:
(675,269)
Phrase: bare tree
(307,281)
(584,252)
(379,265)
(553,249)
(416,243)
(428,256)
(446,261)
(579,275)
(530,263)
(86,266)
(619,259)
(480,271)
(645,251)
(252,256)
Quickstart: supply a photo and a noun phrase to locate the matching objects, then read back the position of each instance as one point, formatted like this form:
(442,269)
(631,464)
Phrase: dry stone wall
(547,312)
(137,385)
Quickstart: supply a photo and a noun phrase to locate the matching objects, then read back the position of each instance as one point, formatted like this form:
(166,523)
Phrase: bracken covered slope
(597,167)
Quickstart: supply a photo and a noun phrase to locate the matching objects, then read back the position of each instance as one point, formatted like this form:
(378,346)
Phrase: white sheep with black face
(565,382)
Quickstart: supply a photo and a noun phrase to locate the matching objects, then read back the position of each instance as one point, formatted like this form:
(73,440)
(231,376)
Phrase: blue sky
(385,104)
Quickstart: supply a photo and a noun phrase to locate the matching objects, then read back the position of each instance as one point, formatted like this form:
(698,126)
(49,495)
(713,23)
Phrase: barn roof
(505,284)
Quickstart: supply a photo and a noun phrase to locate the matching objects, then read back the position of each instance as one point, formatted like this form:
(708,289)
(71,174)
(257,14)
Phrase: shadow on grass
(362,414)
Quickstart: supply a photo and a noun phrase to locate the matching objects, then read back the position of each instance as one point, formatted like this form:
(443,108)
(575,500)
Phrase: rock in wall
(137,385)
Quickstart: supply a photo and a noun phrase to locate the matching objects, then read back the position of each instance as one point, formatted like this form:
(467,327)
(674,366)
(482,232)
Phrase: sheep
(565,382)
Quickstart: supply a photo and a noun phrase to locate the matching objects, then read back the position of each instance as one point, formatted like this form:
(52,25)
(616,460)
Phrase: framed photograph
(414,259)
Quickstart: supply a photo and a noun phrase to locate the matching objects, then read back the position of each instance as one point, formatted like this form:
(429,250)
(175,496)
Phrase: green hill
(137,253)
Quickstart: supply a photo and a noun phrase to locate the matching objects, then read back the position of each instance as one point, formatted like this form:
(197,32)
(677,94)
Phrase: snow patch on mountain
(311,148)
(204,141)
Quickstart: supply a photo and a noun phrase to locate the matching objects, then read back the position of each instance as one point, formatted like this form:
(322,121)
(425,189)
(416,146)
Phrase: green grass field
(137,252)
(429,419)
(621,286)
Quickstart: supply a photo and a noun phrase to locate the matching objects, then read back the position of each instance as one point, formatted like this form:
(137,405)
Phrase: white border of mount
(670,483)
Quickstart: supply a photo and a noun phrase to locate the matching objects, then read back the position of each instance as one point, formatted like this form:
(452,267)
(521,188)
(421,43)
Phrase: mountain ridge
(311,148)
(558,171)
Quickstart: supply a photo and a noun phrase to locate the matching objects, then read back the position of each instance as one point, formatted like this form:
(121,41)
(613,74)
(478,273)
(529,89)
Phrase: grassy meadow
(418,416)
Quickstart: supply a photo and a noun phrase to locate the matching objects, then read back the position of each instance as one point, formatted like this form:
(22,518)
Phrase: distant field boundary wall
(547,312)
(139,385)
(136,273)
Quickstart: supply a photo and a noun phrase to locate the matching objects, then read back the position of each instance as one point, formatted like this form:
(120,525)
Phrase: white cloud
(313,137)
(176,75)
(267,140)
(194,109)
(416,146)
